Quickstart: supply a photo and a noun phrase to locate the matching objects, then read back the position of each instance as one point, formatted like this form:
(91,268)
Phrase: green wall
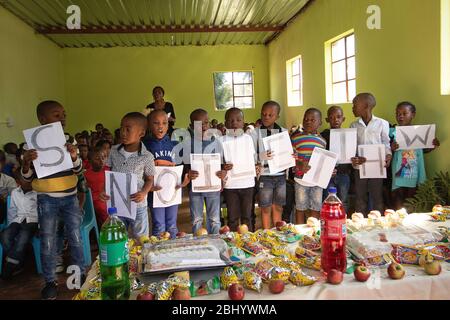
(399,62)
(30,71)
(104,84)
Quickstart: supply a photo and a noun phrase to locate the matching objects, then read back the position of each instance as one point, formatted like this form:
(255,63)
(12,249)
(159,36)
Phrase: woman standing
(160,104)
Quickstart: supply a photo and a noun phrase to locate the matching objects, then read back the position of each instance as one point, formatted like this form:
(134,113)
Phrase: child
(7,183)
(106,147)
(131,156)
(335,117)
(197,129)
(11,163)
(272,187)
(371,130)
(408,166)
(160,145)
(84,151)
(238,193)
(95,177)
(22,225)
(308,198)
(57,197)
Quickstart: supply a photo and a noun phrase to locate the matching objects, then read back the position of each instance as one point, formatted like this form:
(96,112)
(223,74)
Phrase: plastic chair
(3,226)
(89,223)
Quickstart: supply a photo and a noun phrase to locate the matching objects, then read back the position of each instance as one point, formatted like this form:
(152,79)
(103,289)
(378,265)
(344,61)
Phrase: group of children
(143,142)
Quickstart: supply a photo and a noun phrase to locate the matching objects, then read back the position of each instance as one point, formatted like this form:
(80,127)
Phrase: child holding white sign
(308,198)
(57,198)
(408,166)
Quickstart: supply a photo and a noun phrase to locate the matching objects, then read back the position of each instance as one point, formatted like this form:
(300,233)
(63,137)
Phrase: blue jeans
(212,201)
(165,219)
(342,183)
(51,209)
(14,239)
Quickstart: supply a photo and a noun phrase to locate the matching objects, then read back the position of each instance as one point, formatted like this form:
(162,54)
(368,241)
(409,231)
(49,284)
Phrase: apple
(181,294)
(276,286)
(236,291)
(335,276)
(361,273)
(396,271)
(165,235)
(280,224)
(145,296)
(224,230)
(433,268)
(201,232)
(242,229)
(181,234)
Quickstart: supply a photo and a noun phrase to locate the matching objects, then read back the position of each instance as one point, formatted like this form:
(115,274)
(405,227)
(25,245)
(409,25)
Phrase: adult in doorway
(160,104)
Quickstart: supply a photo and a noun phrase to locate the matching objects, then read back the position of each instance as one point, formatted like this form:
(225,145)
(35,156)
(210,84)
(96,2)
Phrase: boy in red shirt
(95,177)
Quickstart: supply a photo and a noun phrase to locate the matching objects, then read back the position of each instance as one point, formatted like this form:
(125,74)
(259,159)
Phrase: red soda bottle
(333,233)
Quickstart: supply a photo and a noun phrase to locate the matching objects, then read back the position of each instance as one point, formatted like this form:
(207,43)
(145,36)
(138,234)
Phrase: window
(341,68)
(233,89)
(294,78)
(445,47)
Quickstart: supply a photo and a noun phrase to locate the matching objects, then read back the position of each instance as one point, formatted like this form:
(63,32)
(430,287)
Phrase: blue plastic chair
(3,226)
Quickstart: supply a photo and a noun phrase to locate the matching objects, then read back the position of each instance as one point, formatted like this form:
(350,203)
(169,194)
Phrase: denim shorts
(272,190)
(308,198)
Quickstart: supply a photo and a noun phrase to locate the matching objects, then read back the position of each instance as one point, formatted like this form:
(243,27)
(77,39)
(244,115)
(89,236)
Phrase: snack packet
(253,281)
(300,278)
(228,277)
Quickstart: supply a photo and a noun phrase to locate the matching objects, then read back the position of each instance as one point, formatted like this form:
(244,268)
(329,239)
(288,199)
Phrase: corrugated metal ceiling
(110,23)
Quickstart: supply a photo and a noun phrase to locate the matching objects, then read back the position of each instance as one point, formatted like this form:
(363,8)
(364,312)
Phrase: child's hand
(436,143)
(357,161)
(72,150)
(193,174)
(154,188)
(185,182)
(29,156)
(394,146)
(140,196)
(267,155)
(258,169)
(221,174)
(103,196)
(228,167)
(164,163)
(388,161)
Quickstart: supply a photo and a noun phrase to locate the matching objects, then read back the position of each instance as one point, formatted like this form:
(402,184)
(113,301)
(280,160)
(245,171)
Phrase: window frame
(290,90)
(233,84)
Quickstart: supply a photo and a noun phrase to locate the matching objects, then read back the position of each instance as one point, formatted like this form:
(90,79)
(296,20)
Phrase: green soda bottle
(114,258)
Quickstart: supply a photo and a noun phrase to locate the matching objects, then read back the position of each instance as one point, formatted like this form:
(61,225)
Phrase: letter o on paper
(166,174)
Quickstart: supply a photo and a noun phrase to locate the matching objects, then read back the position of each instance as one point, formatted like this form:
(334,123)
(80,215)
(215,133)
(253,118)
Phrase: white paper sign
(343,143)
(281,147)
(322,163)
(415,137)
(120,186)
(207,165)
(241,153)
(374,167)
(49,141)
(167,178)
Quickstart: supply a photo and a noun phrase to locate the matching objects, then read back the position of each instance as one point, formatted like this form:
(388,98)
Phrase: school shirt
(407,167)
(375,132)
(304,145)
(96,182)
(141,163)
(161,149)
(257,135)
(23,207)
(7,183)
(244,140)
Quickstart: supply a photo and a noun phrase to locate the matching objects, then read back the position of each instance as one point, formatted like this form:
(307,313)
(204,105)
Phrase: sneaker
(59,264)
(50,291)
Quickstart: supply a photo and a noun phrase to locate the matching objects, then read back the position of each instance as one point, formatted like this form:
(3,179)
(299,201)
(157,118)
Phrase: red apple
(236,291)
(181,294)
(224,230)
(145,296)
(201,232)
(181,234)
(335,276)
(396,271)
(280,224)
(242,229)
(433,268)
(276,286)
(361,273)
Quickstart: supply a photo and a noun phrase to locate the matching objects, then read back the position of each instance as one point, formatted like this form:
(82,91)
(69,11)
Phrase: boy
(371,130)
(198,144)
(56,199)
(95,178)
(239,192)
(335,117)
(272,187)
(160,145)
(11,163)
(84,151)
(22,225)
(308,198)
(131,156)
(7,183)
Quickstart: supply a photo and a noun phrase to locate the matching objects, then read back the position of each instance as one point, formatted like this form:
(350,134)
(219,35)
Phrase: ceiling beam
(155,29)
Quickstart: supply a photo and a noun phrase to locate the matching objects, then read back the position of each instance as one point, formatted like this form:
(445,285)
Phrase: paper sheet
(281,147)
(343,143)
(167,178)
(207,166)
(240,153)
(415,137)
(120,186)
(374,167)
(322,164)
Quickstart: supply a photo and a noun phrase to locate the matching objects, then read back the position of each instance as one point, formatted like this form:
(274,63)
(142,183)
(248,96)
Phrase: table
(416,285)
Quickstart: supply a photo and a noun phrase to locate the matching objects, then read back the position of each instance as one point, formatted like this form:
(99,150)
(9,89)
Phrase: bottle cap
(112,211)
(332,190)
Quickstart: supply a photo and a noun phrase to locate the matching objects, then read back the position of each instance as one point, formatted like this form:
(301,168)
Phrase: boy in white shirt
(22,225)
(371,130)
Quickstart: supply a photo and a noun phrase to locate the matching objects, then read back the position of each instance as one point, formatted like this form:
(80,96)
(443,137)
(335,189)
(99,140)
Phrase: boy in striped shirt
(308,198)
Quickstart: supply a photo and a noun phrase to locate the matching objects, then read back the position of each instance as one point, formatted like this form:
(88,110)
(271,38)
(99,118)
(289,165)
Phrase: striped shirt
(304,145)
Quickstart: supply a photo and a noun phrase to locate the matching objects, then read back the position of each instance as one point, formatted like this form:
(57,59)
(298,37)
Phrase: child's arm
(148,186)
(28,157)
(436,144)
(184,183)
